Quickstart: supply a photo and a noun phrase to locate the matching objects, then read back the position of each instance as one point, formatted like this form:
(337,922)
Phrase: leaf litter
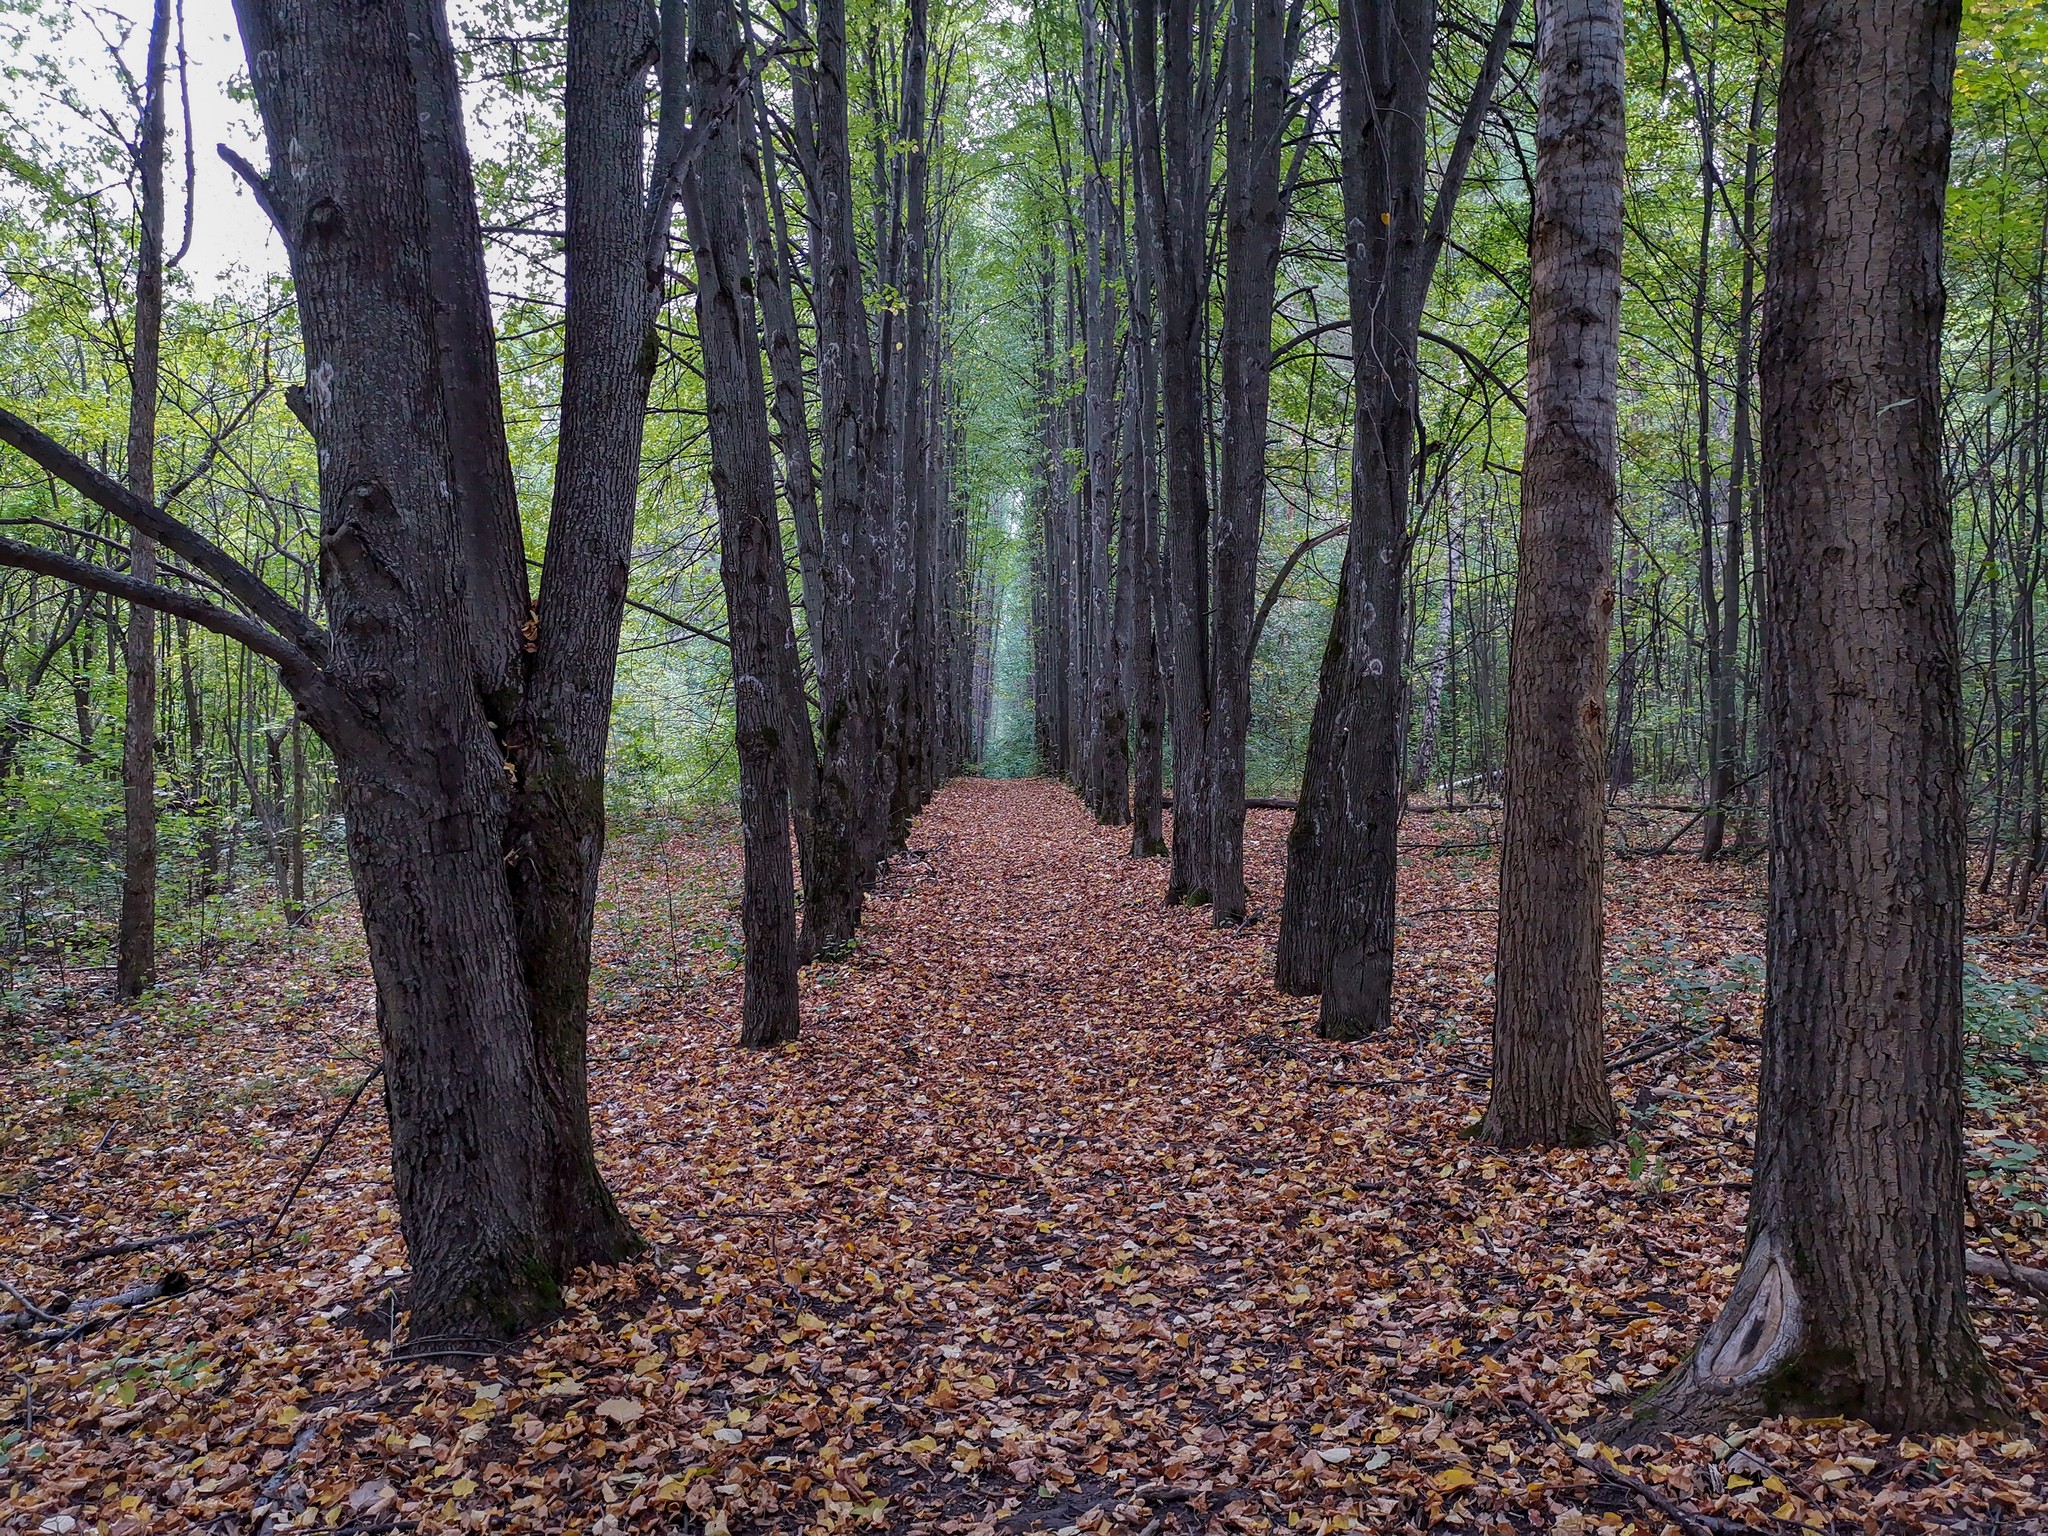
(1058,1219)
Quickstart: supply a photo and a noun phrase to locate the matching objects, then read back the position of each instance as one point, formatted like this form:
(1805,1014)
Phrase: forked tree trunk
(1549,1069)
(135,933)
(1851,1298)
(749,530)
(1337,912)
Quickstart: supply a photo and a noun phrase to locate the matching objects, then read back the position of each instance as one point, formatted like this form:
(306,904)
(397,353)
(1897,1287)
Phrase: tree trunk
(476,891)
(1851,1298)
(749,530)
(1337,913)
(1424,757)
(1254,220)
(1549,1072)
(135,933)
(850,789)
(1138,565)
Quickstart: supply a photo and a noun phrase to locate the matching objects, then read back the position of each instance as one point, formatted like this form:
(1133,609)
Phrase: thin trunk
(135,933)
(1255,218)
(1423,759)
(749,530)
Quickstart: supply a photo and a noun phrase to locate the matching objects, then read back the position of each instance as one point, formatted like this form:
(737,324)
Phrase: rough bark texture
(135,933)
(1850,1299)
(1549,1071)
(1173,187)
(749,530)
(1255,215)
(469,742)
(850,691)
(1337,912)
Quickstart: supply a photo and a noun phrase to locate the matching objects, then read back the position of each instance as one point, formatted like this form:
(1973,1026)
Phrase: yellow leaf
(463,1487)
(1453,1477)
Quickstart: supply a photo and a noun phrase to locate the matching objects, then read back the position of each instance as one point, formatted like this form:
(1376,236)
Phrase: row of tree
(466,713)
(1154,400)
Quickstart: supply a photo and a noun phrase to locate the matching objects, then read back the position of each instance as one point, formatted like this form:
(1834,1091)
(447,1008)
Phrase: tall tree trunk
(1138,567)
(1257,113)
(1851,1298)
(749,529)
(1549,1066)
(1725,759)
(769,229)
(850,788)
(135,933)
(477,890)
(1337,912)
(1173,195)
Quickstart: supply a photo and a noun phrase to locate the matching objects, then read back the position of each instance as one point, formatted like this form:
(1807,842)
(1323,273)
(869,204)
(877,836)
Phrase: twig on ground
(1637,1058)
(1993,1266)
(81,1317)
(318,1152)
(1689,1521)
(144,1244)
(29,1309)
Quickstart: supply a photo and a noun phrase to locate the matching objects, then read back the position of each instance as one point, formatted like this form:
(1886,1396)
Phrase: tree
(468,722)
(1549,1067)
(1851,1298)
(135,934)
(1337,912)
(1258,101)
(750,533)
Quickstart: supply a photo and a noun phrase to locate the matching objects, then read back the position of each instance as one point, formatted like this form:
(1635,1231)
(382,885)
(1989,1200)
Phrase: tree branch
(1280,580)
(147,594)
(305,638)
(260,188)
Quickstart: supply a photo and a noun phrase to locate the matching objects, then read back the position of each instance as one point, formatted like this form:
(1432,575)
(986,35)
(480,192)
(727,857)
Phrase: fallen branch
(14,1321)
(80,1317)
(1689,1521)
(320,1151)
(1992,1266)
(145,1244)
(1637,1058)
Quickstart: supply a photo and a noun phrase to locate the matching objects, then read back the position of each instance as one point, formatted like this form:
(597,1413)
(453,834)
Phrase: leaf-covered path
(1058,1216)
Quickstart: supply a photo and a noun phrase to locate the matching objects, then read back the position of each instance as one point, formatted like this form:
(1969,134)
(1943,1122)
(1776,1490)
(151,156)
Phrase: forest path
(1074,1202)
(1056,1207)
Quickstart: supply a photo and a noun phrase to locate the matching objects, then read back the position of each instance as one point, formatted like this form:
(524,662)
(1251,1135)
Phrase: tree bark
(1255,217)
(850,789)
(1173,195)
(1337,911)
(749,530)
(1851,1298)
(1549,1072)
(135,931)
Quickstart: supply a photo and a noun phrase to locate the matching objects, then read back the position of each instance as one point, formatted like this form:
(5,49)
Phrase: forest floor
(1057,1219)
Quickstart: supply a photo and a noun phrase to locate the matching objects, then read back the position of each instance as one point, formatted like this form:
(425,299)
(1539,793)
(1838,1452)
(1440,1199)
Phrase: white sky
(229,231)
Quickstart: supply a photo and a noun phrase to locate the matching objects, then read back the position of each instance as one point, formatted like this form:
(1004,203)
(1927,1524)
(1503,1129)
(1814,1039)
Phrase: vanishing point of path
(1059,1207)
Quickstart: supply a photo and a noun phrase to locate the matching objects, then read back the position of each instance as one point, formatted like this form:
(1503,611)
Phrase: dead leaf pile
(1058,1219)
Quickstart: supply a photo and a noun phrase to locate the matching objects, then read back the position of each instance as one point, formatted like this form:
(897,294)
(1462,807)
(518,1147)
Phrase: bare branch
(305,638)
